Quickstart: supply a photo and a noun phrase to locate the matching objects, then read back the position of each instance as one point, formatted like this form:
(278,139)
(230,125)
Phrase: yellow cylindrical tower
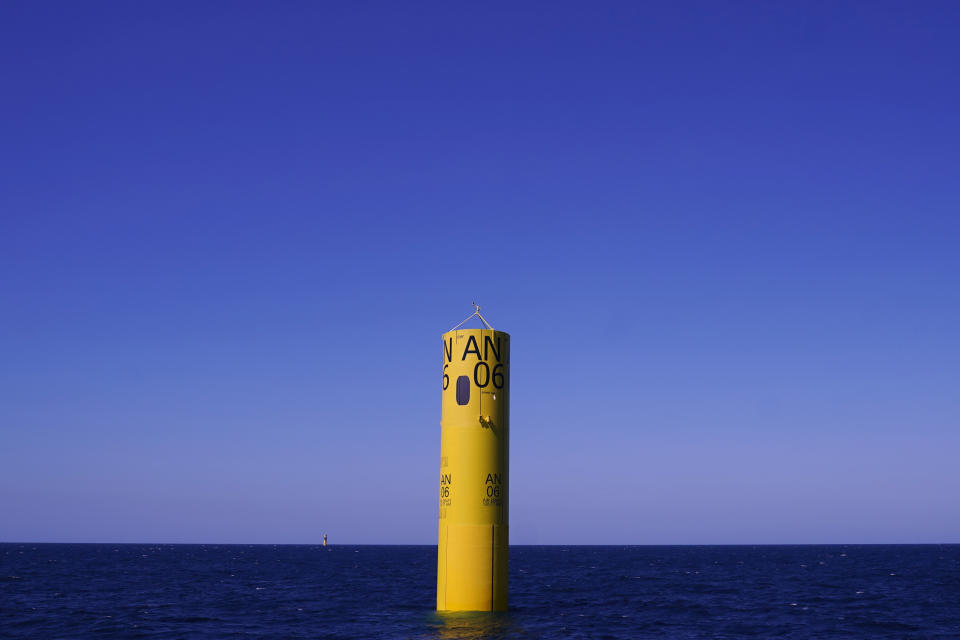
(474,471)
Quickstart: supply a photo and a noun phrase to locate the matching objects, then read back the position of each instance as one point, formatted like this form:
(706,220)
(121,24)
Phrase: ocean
(342,591)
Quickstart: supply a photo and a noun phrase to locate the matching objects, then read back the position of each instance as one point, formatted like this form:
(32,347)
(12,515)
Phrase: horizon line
(396,544)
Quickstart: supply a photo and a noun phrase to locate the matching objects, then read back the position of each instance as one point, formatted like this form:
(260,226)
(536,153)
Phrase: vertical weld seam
(446,568)
(493,564)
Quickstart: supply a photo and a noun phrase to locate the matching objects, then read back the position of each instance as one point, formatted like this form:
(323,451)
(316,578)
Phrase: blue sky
(723,237)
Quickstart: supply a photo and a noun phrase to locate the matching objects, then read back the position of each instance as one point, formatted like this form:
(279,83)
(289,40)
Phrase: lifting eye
(463,390)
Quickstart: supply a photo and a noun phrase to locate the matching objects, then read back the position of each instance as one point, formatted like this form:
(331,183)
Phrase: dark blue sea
(290,591)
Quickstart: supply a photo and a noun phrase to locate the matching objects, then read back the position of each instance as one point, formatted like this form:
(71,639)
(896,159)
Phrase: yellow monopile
(474,471)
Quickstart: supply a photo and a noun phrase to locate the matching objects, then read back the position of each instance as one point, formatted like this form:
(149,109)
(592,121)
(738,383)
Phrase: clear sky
(725,239)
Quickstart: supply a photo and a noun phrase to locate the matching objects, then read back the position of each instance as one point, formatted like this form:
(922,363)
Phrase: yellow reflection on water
(471,625)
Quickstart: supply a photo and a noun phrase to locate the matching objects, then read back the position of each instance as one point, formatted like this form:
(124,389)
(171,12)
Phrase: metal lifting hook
(476,312)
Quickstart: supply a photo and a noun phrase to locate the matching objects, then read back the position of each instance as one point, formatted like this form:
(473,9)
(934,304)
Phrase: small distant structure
(324,539)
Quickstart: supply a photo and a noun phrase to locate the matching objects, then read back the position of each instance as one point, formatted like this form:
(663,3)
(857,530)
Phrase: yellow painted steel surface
(474,452)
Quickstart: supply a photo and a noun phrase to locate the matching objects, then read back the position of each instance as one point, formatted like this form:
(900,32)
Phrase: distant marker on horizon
(324,539)
(473,536)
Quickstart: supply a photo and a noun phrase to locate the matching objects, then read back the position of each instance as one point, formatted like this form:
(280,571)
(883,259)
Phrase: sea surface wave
(348,592)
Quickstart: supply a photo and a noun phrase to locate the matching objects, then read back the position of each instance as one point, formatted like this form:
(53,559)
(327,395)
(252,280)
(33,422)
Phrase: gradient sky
(725,238)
